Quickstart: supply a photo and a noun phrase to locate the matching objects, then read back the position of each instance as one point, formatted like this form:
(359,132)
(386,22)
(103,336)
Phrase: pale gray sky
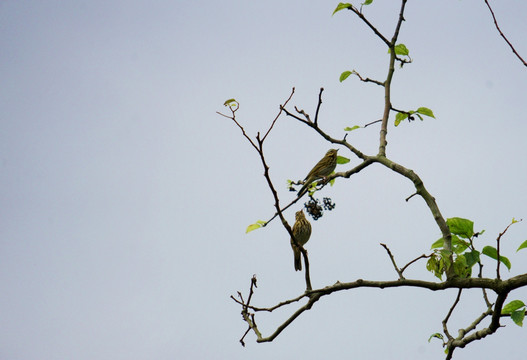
(125,198)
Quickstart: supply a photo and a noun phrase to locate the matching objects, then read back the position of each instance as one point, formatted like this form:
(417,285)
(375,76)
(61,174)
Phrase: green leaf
(512,306)
(255,226)
(347,128)
(517,316)
(522,246)
(461,267)
(426,111)
(344,75)
(472,257)
(342,6)
(458,245)
(435,266)
(493,253)
(401,49)
(437,262)
(400,117)
(436,335)
(461,227)
(313,187)
(437,244)
(228,102)
(342,160)
(367,2)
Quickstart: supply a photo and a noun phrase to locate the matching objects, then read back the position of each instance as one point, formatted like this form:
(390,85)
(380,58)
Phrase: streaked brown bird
(321,170)
(302,232)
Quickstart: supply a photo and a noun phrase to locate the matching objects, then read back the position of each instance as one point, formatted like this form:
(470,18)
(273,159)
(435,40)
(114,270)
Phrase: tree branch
(399,272)
(427,197)
(501,287)
(447,317)
(503,36)
(369,24)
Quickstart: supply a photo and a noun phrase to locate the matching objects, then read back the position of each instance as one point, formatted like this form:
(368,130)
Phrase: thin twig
(399,272)
(278,115)
(279,211)
(367,79)
(272,308)
(332,140)
(409,197)
(414,260)
(503,36)
(498,246)
(233,118)
(480,272)
(445,320)
(373,122)
(373,28)
(318,105)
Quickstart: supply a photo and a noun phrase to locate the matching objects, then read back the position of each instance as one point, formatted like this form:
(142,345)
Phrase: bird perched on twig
(321,170)
(302,232)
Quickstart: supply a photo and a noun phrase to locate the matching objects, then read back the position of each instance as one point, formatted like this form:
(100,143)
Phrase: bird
(321,170)
(302,233)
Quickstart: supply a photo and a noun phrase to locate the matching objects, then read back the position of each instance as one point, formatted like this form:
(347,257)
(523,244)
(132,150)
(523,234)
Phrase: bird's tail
(298,261)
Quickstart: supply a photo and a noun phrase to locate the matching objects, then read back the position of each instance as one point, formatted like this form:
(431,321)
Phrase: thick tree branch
(501,287)
(461,341)
(427,197)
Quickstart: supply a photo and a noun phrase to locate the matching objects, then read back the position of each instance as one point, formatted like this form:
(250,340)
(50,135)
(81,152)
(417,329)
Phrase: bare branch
(503,36)
(278,115)
(286,323)
(501,287)
(233,118)
(399,23)
(318,105)
(302,112)
(462,340)
(370,25)
(414,260)
(475,323)
(498,247)
(447,317)
(388,83)
(343,142)
(427,197)
(367,79)
(399,272)
(373,122)
(409,197)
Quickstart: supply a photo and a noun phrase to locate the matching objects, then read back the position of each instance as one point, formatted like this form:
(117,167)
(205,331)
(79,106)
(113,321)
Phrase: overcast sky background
(125,197)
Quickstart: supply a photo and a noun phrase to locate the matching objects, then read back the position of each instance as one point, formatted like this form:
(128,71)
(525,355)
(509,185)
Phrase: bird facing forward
(302,232)
(321,170)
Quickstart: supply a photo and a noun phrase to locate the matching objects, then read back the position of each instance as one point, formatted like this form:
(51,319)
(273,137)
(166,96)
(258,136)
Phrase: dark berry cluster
(314,208)
(328,205)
